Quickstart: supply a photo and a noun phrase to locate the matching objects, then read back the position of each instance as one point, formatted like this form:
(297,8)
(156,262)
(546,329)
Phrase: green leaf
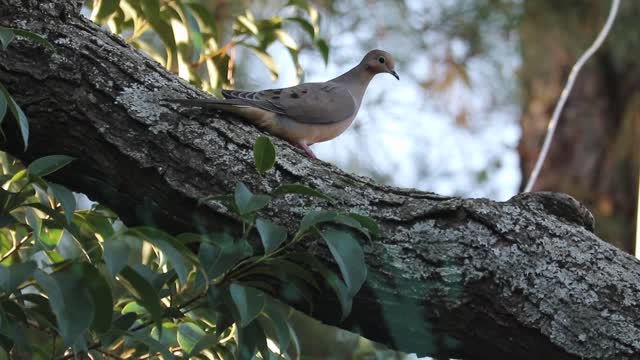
(125,321)
(12,318)
(349,221)
(3,106)
(34,221)
(322,46)
(224,320)
(249,338)
(34,37)
(306,25)
(267,60)
(159,280)
(15,200)
(179,255)
(189,335)
(103,9)
(246,23)
(50,237)
(247,202)
(7,220)
(48,164)
(277,321)
(18,114)
(226,199)
(366,222)
(101,295)
(39,307)
(66,198)
(70,301)
(12,276)
(134,307)
(208,341)
(209,255)
(249,302)
(272,235)
(94,222)
(204,17)
(89,244)
(116,254)
(6,36)
(217,296)
(18,176)
(145,294)
(167,334)
(216,259)
(331,279)
(150,8)
(292,270)
(264,154)
(153,345)
(300,189)
(350,258)
(165,32)
(286,39)
(303,4)
(316,217)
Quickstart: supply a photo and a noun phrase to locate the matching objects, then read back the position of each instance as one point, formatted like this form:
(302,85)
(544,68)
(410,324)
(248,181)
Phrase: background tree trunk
(595,156)
(450,277)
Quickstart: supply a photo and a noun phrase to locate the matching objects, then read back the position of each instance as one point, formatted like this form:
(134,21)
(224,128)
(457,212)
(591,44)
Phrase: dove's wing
(311,103)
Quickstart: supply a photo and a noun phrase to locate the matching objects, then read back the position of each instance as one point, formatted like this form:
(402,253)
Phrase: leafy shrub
(105,288)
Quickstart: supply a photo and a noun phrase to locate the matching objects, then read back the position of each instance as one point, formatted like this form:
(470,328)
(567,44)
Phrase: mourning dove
(308,113)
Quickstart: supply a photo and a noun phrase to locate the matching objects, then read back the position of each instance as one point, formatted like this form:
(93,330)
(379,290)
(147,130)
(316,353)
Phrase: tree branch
(450,277)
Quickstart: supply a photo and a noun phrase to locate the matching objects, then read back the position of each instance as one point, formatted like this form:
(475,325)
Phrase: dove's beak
(395,74)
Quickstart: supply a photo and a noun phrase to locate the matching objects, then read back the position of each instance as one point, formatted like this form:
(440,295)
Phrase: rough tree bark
(465,278)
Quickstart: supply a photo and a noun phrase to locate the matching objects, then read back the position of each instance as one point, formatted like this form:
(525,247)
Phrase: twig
(551,128)
(14,249)
(109,354)
(172,350)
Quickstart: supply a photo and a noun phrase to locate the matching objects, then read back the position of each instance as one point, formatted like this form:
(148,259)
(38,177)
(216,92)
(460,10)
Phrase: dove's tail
(222,104)
(261,118)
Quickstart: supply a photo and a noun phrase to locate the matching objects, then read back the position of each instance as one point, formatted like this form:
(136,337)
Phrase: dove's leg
(307,150)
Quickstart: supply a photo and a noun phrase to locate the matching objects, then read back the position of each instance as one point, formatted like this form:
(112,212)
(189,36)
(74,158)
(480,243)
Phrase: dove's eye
(381,60)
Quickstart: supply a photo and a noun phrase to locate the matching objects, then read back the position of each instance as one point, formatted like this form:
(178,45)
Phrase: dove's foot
(307,150)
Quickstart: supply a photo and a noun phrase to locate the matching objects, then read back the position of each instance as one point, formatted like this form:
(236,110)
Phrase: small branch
(14,249)
(149,356)
(109,354)
(551,129)
(72,355)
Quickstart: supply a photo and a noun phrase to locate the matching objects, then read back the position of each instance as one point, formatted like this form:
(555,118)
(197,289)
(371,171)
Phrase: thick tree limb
(462,278)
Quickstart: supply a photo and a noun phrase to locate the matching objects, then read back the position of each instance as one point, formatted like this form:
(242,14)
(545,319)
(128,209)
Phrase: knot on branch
(33,9)
(558,204)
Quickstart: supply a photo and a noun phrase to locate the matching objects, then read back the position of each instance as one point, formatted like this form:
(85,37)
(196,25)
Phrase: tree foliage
(184,35)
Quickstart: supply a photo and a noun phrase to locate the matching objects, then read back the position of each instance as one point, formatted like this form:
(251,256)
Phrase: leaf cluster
(7,36)
(185,36)
(79,281)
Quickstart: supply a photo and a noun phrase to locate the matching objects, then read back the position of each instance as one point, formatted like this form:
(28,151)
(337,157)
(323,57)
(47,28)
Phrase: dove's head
(378,61)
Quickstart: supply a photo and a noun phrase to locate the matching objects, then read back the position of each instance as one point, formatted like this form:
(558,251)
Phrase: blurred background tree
(595,155)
